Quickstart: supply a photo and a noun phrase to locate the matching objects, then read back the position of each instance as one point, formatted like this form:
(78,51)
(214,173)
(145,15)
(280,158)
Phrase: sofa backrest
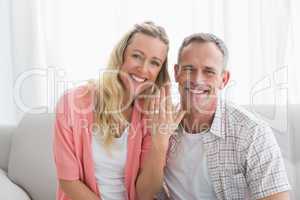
(31,164)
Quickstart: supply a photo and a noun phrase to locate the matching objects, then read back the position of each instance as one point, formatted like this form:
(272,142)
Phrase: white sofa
(26,158)
(27,166)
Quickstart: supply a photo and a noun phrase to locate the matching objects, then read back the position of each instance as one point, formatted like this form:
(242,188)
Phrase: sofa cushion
(9,190)
(5,139)
(31,162)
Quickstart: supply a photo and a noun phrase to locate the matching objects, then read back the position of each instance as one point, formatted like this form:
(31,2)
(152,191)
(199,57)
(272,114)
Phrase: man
(219,151)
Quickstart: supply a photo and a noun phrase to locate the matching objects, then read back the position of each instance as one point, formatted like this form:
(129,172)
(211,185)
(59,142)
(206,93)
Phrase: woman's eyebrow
(156,58)
(139,51)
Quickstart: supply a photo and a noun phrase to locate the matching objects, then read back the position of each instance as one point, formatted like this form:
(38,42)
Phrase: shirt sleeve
(265,174)
(63,145)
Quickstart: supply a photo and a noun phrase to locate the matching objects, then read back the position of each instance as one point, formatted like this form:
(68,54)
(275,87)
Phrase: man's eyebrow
(156,58)
(210,68)
(187,66)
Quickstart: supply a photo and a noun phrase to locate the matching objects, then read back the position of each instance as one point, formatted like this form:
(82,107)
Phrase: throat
(192,124)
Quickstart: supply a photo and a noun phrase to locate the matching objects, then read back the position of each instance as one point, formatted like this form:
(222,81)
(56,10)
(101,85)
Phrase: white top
(109,167)
(186,173)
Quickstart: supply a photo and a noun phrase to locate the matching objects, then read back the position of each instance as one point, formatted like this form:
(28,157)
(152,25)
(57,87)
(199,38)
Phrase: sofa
(27,169)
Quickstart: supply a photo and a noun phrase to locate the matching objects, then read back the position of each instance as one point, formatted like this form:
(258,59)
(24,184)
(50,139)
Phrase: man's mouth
(198,90)
(137,78)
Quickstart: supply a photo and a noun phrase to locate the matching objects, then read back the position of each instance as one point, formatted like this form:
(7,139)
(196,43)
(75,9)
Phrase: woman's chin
(141,92)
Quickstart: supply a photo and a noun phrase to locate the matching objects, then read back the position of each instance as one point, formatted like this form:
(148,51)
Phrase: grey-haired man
(220,151)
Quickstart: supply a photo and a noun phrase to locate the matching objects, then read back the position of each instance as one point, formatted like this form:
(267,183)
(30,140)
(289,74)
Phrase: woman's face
(143,60)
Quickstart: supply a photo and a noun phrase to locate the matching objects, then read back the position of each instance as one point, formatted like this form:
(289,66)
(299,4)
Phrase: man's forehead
(201,53)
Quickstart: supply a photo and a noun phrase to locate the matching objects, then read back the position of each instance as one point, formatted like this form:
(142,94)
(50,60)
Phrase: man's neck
(196,122)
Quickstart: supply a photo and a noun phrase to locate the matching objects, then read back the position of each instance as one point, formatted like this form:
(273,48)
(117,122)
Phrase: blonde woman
(100,139)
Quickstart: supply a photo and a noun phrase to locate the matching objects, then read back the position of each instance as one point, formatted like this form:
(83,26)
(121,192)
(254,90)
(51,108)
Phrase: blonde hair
(109,90)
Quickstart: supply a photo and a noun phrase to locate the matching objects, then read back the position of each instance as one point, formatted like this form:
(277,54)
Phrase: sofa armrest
(5,142)
(9,190)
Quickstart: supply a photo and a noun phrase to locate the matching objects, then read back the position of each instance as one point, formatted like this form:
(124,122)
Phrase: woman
(100,141)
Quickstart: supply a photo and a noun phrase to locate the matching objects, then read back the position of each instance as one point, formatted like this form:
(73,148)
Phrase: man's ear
(176,72)
(225,78)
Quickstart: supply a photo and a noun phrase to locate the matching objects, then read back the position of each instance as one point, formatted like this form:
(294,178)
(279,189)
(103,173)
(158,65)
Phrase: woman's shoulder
(78,99)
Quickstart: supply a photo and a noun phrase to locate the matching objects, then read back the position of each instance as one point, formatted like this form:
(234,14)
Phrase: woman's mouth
(137,78)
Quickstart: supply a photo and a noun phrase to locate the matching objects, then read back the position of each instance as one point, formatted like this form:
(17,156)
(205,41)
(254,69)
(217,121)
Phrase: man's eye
(187,69)
(210,72)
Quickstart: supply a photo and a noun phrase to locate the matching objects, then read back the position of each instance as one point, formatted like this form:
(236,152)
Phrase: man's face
(200,76)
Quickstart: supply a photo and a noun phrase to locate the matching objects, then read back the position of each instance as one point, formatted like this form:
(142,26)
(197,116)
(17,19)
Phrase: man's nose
(198,76)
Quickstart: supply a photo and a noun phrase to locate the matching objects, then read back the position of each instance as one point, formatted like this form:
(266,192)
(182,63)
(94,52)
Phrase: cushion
(9,190)
(5,139)
(31,163)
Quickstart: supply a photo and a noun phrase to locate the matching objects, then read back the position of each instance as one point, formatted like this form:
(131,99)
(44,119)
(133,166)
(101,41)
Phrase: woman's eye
(136,56)
(155,63)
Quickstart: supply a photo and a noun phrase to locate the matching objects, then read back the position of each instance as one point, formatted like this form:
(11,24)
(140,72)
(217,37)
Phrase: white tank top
(109,167)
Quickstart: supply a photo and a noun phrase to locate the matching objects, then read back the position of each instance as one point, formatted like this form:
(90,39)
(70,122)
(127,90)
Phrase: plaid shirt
(244,160)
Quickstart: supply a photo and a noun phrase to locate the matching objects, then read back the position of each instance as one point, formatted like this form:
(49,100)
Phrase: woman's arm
(65,157)
(162,123)
(150,178)
(76,190)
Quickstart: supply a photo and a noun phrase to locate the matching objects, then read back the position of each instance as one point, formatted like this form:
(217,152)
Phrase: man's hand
(278,196)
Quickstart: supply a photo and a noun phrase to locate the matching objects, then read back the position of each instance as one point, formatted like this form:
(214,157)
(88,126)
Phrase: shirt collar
(218,125)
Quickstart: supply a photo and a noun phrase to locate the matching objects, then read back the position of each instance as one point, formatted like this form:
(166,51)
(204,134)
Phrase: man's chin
(201,105)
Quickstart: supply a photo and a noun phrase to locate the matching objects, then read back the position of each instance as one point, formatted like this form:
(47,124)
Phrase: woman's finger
(162,104)
(179,116)
(169,102)
(156,106)
(152,108)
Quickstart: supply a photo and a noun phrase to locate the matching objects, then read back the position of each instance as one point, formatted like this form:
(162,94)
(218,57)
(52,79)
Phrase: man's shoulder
(246,121)
(243,115)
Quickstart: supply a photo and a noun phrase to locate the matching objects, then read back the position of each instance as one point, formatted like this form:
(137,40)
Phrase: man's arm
(266,174)
(76,190)
(278,196)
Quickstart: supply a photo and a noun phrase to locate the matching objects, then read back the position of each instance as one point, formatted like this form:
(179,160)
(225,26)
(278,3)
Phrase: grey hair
(203,38)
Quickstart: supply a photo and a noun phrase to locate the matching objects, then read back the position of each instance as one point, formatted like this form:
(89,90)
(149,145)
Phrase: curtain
(30,48)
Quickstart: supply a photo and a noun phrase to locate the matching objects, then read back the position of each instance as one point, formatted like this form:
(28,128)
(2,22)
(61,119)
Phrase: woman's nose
(142,68)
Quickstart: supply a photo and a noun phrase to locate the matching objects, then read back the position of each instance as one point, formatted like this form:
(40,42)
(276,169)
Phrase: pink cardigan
(72,143)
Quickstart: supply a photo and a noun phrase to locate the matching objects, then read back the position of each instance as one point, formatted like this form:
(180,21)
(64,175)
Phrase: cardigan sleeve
(66,163)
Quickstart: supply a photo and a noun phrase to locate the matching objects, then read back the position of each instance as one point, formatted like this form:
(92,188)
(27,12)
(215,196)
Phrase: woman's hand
(163,119)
